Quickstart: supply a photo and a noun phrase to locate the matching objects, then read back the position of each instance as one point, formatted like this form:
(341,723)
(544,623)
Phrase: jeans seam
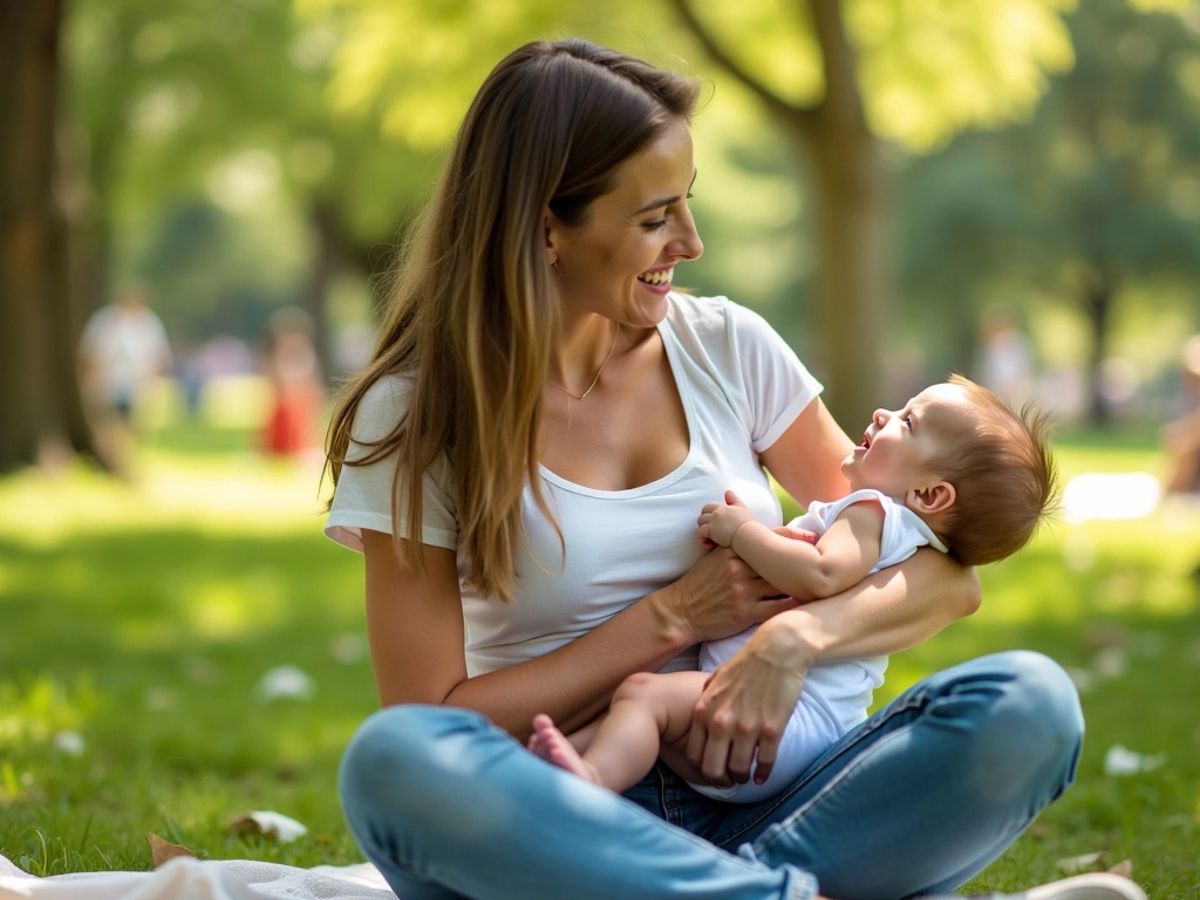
(873,725)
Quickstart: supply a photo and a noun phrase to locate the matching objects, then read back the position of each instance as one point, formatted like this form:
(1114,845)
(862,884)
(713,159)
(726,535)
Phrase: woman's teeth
(657,277)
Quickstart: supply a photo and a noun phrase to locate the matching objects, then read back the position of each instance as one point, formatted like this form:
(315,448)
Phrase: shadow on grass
(148,644)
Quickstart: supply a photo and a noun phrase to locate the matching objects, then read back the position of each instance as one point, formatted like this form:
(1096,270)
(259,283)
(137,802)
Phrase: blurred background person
(291,366)
(123,349)
(1181,436)
(1005,363)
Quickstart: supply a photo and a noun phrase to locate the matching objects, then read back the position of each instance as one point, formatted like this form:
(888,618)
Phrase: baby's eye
(907,420)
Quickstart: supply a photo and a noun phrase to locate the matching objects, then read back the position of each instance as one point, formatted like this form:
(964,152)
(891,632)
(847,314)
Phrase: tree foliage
(1093,200)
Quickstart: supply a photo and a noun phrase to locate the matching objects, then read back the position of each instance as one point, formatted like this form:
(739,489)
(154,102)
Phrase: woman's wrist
(786,641)
(675,631)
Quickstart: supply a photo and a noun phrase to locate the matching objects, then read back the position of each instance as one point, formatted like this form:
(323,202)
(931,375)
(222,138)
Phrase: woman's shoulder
(715,320)
(698,315)
(381,407)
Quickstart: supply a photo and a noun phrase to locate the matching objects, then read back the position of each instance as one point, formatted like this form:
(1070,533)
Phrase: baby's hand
(719,521)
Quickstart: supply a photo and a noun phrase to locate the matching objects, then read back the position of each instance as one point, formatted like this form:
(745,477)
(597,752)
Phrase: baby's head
(979,474)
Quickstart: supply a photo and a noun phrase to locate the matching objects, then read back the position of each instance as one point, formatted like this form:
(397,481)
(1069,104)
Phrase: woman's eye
(655,225)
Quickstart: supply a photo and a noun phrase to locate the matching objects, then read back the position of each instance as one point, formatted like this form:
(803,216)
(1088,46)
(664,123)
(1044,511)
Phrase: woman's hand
(720,595)
(745,705)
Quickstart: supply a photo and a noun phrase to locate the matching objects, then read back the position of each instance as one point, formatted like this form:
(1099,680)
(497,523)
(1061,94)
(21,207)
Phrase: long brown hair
(475,305)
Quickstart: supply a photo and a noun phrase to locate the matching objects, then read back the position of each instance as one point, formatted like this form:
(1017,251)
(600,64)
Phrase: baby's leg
(646,710)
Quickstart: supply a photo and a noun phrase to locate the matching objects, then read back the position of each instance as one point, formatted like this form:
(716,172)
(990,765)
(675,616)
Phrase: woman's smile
(658,280)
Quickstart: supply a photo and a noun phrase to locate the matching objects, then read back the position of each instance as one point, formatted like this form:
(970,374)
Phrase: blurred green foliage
(228,149)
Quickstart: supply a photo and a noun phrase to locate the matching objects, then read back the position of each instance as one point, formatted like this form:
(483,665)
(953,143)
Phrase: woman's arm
(748,701)
(415,629)
(920,597)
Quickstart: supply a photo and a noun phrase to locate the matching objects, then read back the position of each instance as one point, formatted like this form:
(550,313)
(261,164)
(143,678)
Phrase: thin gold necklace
(596,380)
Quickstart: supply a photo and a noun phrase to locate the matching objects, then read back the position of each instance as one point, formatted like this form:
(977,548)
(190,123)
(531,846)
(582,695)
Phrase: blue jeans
(917,799)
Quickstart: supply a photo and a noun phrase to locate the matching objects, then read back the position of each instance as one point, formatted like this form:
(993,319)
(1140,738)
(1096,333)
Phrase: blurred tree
(1112,166)
(837,79)
(39,396)
(185,105)
(1098,193)
(834,85)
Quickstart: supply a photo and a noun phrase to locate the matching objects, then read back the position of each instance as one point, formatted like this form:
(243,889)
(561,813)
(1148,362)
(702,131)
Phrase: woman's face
(619,263)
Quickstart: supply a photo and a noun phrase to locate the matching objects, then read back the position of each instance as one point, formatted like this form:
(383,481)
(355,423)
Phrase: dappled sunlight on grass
(33,712)
(240,493)
(225,608)
(142,619)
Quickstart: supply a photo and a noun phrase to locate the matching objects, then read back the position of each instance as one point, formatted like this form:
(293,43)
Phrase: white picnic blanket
(194,879)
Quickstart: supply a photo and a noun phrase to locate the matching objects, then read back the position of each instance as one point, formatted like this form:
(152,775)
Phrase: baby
(954,469)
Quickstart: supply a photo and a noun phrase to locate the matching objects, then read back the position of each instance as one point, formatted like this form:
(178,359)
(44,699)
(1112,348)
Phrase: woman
(566,416)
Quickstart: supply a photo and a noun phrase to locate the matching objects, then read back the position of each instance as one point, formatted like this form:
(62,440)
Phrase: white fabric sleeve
(363,498)
(776,385)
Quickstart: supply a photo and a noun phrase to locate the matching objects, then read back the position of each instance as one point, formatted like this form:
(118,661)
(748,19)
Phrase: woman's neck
(584,345)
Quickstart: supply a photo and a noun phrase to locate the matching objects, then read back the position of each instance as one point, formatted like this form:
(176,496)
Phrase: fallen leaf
(159,699)
(1084,679)
(163,851)
(70,743)
(267,822)
(348,647)
(284,682)
(1111,662)
(1124,867)
(1080,863)
(1122,761)
(1105,634)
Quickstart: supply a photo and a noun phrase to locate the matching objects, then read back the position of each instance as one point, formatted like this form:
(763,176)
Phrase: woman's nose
(688,244)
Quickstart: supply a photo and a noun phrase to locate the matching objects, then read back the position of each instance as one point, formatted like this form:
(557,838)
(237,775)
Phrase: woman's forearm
(574,683)
(892,610)
(718,596)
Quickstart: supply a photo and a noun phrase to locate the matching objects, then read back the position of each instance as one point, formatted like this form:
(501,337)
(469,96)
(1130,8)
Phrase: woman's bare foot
(552,745)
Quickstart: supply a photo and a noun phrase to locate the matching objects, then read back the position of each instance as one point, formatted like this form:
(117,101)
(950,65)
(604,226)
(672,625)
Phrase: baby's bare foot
(552,745)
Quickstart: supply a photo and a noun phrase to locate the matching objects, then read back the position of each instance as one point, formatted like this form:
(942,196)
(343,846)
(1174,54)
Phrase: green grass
(141,618)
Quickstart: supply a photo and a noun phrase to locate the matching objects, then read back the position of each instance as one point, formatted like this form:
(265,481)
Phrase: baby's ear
(935,498)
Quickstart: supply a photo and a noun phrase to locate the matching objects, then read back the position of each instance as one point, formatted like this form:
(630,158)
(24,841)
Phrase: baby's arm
(840,558)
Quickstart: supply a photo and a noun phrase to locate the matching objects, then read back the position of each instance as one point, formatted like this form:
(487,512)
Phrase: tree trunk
(324,223)
(835,140)
(33,285)
(1099,292)
(852,268)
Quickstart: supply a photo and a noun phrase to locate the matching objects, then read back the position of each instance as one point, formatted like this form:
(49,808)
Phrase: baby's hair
(1004,478)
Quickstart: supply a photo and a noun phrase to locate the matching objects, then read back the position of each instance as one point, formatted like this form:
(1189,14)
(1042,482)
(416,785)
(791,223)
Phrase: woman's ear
(935,498)
(550,230)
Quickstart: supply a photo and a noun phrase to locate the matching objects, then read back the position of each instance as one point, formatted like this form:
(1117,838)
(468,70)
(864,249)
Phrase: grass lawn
(139,620)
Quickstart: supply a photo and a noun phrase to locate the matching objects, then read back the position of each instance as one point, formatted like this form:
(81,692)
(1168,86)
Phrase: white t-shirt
(741,387)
